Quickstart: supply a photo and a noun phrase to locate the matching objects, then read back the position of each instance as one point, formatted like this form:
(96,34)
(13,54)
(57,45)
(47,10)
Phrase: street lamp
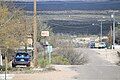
(113,43)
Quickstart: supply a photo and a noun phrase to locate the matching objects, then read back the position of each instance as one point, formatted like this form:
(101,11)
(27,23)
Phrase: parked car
(21,58)
(92,44)
(102,45)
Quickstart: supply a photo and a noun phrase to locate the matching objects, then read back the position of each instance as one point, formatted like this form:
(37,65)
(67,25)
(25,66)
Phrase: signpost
(47,48)
(49,51)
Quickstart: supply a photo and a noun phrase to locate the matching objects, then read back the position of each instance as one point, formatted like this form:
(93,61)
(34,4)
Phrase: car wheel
(28,65)
(13,65)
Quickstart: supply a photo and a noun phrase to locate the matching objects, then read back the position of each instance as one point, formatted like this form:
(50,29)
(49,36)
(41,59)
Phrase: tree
(13,29)
(42,26)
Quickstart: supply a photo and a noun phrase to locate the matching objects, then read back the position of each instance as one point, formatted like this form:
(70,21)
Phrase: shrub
(58,59)
(2,68)
(68,51)
(42,62)
(118,54)
(75,58)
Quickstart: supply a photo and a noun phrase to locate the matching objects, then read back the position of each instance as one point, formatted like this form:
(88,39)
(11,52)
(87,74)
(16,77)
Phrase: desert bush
(2,68)
(74,57)
(42,62)
(118,54)
(58,59)
(118,63)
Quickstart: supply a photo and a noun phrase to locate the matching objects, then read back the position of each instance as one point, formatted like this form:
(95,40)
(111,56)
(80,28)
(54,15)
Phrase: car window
(22,54)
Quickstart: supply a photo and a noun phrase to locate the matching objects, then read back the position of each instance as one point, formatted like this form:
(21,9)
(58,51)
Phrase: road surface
(9,76)
(97,68)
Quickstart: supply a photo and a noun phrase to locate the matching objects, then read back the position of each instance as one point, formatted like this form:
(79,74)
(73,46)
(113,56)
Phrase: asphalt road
(96,68)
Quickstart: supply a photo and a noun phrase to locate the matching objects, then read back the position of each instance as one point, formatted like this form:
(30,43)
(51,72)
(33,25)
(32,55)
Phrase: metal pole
(35,35)
(49,57)
(113,33)
(6,64)
(101,32)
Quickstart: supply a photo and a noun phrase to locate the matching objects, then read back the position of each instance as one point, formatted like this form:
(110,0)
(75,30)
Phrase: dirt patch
(60,74)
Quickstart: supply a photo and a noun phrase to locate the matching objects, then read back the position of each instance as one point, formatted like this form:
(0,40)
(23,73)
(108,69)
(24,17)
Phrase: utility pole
(101,28)
(101,31)
(112,16)
(111,35)
(113,26)
(35,35)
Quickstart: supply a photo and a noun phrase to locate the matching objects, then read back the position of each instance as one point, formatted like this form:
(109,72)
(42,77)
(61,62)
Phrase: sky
(68,0)
(64,0)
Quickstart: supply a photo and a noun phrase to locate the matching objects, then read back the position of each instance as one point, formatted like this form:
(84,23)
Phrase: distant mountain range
(69,5)
(77,27)
(72,27)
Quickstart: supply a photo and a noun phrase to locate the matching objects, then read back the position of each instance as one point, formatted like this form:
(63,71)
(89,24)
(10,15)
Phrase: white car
(102,45)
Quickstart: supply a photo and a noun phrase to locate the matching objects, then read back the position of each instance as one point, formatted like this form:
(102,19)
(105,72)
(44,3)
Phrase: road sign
(45,33)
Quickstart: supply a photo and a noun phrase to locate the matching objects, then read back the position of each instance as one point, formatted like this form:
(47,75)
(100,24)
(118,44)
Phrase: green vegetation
(13,31)
(58,59)
(2,68)
(43,62)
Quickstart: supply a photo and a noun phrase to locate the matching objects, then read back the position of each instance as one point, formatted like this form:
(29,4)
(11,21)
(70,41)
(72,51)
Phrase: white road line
(9,76)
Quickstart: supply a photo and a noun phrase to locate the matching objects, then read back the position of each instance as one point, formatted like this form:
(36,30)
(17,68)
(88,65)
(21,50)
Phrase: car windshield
(102,43)
(22,54)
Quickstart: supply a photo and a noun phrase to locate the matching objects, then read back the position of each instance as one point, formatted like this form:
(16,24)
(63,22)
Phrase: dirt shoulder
(61,73)
(108,54)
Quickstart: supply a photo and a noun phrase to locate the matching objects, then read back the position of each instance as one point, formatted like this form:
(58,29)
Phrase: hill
(73,17)
(69,5)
